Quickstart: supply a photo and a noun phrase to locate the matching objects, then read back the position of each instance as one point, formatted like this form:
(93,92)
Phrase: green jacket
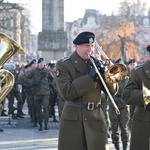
(80,128)
(133,95)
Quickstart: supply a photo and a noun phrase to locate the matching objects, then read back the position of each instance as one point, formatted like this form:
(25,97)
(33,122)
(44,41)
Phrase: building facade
(113,32)
(16,26)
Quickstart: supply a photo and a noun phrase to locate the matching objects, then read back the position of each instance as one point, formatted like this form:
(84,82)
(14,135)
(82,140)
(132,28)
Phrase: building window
(146,22)
(146,36)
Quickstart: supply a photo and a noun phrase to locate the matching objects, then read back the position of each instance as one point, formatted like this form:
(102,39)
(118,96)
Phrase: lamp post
(123,52)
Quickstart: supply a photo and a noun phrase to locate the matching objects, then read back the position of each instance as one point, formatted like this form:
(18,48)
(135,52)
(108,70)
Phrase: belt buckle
(90,106)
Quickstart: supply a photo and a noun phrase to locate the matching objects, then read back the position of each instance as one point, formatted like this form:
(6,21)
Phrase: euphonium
(8,47)
(114,72)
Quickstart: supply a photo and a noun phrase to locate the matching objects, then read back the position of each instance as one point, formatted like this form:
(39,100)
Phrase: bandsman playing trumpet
(137,92)
(82,124)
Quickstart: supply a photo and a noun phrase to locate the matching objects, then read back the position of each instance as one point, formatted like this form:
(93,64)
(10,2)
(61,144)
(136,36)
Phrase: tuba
(8,47)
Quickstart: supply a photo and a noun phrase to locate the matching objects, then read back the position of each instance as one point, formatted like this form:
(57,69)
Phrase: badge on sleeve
(57,72)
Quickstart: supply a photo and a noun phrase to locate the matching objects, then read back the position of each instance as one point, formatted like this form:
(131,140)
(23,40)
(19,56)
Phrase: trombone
(104,84)
(114,74)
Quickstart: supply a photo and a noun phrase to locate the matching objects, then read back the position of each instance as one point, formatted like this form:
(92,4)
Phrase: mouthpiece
(89,56)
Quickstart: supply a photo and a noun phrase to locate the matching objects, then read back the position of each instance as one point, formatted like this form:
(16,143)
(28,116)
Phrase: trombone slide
(105,86)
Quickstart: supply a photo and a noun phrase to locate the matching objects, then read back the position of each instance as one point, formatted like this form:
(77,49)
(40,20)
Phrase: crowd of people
(35,85)
(87,115)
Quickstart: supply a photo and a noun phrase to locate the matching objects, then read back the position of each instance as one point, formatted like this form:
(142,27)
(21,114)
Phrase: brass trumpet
(8,47)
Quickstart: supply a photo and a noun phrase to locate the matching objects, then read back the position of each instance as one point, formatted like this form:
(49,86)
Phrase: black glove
(92,73)
(99,65)
(118,100)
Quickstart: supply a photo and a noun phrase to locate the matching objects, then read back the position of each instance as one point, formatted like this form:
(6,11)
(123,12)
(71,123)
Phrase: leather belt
(87,105)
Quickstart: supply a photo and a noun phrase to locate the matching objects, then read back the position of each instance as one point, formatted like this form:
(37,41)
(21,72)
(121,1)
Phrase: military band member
(134,94)
(82,124)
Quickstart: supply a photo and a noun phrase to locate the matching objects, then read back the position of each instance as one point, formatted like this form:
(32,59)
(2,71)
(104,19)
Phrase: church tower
(52,41)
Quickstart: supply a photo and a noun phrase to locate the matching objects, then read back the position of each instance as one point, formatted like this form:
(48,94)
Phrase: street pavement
(19,134)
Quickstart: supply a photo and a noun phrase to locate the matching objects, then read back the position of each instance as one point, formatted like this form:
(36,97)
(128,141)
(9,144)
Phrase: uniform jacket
(40,81)
(133,95)
(15,88)
(79,128)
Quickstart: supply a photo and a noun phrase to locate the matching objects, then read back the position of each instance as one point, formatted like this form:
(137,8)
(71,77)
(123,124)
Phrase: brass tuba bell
(8,47)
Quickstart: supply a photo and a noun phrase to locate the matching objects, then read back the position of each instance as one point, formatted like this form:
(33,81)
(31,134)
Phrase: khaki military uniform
(133,95)
(27,85)
(119,123)
(15,93)
(80,129)
(41,80)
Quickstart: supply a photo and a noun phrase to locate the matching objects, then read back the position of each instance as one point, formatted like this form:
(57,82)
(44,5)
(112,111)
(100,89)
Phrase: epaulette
(65,58)
(137,67)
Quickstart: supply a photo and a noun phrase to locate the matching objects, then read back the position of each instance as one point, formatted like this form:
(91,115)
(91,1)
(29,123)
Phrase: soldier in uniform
(131,66)
(29,66)
(25,82)
(133,94)
(82,123)
(41,81)
(15,93)
(119,123)
(53,91)
(31,105)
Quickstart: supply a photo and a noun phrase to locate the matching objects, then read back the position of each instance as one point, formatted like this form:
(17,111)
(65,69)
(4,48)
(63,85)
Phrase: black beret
(84,37)
(131,61)
(52,65)
(33,61)
(26,66)
(118,61)
(148,48)
(40,60)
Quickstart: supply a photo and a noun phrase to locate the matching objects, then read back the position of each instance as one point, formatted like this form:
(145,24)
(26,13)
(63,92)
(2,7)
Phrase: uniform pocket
(69,113)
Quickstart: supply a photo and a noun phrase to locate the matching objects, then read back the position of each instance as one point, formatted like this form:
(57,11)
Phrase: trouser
(119,121)
(31,106)
(42,107)
(11,97)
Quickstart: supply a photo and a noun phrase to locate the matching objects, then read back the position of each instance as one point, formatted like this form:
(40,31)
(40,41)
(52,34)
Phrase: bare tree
(7,16)
(132,8)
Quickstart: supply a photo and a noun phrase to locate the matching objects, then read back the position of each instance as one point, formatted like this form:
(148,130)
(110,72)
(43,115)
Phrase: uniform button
(85,120)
